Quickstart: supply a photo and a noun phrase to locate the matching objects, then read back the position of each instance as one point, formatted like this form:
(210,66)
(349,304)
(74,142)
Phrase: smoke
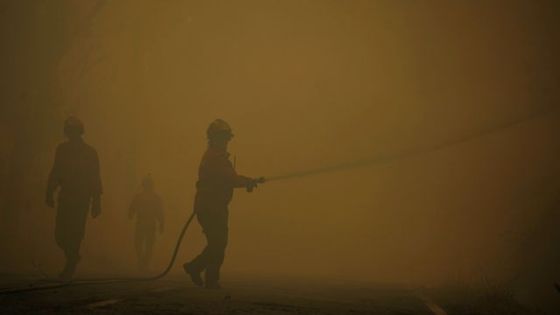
(447,104)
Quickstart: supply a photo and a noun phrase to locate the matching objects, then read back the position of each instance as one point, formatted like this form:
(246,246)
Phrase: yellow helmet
(218,127)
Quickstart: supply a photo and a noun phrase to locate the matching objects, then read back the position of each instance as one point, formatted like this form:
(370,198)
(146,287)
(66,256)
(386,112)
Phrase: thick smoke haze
(305,85)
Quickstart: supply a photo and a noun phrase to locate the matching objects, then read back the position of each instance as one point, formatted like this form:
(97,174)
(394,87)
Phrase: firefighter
(147,206)
(214,190)
(76,173)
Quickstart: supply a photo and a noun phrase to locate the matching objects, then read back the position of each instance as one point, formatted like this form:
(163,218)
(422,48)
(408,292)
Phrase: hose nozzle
(254,182)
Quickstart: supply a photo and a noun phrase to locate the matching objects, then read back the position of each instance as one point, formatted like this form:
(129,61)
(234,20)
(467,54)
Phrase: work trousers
(71,217)
(144,242)
(215,227)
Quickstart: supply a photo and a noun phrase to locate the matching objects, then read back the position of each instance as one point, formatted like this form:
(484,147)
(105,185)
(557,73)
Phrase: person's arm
(54,179)
(229,175)
(97,188)
(238,181)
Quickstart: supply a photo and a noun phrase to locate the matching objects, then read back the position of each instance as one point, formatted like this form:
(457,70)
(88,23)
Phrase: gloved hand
(254,182)
(96,207)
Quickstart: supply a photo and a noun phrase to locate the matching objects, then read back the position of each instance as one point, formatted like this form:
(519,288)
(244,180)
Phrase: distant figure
(76,172)
(216,180)
(148,208)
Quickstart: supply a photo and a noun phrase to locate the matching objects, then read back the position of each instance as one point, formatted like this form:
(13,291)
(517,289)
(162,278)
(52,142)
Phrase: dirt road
(176,295)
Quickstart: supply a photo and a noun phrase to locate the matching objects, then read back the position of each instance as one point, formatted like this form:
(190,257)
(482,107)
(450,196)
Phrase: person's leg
(149,239)
(61,226)
(68,235)
(72,254)
(73,225)
(217,243)
(199,263)
(139,245)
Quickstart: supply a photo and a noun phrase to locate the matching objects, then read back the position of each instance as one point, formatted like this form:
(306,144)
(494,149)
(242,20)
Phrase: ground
(175,295)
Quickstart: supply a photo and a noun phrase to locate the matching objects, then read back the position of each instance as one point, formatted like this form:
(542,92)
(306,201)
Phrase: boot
(69,269)
(194,274)
(212,276)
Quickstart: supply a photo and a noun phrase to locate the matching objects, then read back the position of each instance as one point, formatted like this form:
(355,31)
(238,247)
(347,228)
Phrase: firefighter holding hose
(217,179)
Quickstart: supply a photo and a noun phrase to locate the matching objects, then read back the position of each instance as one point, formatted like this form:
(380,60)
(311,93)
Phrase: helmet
(218,127)
(73,125)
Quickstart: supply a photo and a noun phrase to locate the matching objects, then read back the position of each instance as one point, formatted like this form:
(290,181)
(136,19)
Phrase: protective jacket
(216,180)
(75,171)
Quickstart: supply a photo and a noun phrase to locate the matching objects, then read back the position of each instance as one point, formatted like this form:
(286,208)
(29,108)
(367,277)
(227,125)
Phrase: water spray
(410,152)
